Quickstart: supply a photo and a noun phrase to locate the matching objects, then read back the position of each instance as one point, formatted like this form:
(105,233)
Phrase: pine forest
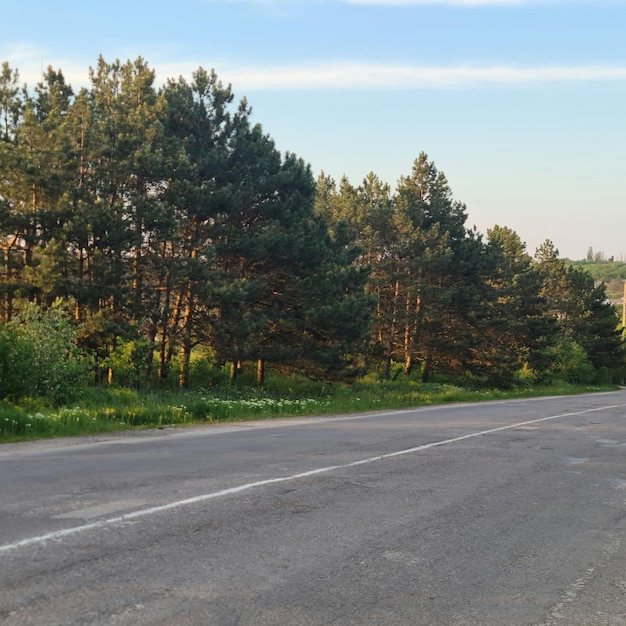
(147,232)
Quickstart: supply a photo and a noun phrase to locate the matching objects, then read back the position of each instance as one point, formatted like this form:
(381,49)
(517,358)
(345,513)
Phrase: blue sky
(521,103)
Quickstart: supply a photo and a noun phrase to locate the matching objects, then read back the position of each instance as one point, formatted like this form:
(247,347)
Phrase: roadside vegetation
(116,409)
(47,388)
(163,263)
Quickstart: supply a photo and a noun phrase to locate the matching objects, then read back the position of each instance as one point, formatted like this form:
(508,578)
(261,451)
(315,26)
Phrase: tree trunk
(8,300)
(185,355)
(387,367)
(137,267)
(233,371)
(392,329)
(410,331)
(427,371)
(408,364)
(163,364)
(260,373)
(150,352)
(185,351)
(187,328)
(8,304)
(168,343)
(408,360)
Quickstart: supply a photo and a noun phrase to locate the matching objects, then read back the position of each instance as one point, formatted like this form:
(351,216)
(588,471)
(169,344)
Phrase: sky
(520,103)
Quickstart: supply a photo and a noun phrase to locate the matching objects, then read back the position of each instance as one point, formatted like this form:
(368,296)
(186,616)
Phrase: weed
(115,409)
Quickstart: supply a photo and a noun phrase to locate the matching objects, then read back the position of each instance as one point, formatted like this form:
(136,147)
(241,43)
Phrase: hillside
(613,273)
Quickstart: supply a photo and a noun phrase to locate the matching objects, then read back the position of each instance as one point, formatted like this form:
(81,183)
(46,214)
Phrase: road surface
(496,513)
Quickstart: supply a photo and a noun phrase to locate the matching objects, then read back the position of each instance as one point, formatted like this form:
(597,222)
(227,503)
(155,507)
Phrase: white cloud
(460,3)
(339,75)
(32,60)
(364,76)
(480,3)
(466,3)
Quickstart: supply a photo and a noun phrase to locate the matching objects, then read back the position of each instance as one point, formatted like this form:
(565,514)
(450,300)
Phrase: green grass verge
(113,409)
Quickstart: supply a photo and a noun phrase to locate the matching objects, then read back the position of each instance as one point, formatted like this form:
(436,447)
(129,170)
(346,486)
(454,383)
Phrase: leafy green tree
(17,357)
(418,253)
(39,356)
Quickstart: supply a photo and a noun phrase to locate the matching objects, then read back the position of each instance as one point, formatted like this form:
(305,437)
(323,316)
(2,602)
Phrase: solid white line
(59,534)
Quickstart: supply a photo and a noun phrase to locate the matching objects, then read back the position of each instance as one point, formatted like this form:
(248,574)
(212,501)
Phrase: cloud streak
(362,76)
(338,75)
(473,3)
(409,3)
(462,3)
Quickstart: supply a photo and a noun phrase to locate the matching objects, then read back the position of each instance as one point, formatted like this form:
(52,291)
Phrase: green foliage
(17,356)
(129,362)
(525,378)
(571,363)
(114,408)
(599,332)
(39,357)
(610,272)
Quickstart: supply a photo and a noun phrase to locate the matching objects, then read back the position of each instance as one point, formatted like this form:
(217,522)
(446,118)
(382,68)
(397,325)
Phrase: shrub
(130,361)
(571,363)
(17,359)
(38,356)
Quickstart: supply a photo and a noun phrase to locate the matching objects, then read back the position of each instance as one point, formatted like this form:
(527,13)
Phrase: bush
(38,356)
(129,362)
(525,378)
(571,363)
(17,373)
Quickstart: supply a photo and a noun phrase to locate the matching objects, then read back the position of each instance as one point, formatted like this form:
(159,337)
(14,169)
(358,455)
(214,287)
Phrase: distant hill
(612,273)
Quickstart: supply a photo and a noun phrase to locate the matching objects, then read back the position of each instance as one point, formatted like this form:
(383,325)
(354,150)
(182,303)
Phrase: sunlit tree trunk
(260,373)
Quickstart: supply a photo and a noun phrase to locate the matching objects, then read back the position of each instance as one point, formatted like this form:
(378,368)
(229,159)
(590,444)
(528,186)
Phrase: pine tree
(11,110)
(518,328)
(431,227)
(582,312)
(200,129)
(599,332)
(290,296)
(122,212)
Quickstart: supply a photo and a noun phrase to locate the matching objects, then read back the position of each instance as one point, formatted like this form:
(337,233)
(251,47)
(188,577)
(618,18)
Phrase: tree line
(165,224)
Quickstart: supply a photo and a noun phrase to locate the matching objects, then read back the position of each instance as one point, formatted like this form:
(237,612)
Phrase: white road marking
(59,534)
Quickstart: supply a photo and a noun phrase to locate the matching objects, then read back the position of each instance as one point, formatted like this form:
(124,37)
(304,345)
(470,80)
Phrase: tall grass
(102,410)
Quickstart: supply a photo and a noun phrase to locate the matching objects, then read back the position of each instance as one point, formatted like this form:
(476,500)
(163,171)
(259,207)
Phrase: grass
(111,409)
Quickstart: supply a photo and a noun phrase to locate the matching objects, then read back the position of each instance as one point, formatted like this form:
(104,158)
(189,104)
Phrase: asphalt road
(496,513)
